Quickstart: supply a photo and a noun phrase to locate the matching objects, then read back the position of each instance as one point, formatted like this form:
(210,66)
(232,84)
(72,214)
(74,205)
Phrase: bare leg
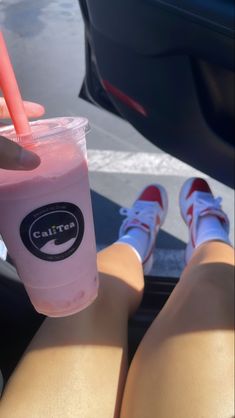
(76,366)
(184,365)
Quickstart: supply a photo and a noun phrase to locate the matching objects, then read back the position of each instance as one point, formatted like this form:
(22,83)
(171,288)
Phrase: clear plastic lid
(45,129)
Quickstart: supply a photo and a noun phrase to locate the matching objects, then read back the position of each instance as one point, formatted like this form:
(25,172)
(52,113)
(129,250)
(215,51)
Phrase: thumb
(14,157)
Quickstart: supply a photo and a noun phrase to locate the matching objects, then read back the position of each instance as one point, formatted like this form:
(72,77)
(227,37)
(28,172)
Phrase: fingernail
(28,160)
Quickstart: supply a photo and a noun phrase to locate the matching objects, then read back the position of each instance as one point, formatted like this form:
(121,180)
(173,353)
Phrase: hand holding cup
(12,155)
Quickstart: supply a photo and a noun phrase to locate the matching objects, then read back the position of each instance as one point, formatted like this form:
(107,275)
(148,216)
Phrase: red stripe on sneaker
(152,194)
(208,212)
(190,212)
(192,239)
(145,225)
(221,219)
(199,185)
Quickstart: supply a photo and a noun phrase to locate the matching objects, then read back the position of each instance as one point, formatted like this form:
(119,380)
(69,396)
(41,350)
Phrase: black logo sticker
(53,232)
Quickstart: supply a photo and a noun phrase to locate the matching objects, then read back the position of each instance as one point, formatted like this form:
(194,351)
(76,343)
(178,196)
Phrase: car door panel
(175,60)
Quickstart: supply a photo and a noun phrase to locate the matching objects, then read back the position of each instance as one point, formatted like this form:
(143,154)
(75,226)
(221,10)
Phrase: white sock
(210,229)
(137,239)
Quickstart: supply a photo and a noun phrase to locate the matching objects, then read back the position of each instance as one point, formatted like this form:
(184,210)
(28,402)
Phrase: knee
(116,294)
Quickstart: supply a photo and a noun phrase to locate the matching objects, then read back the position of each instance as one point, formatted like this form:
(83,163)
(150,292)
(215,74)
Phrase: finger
(14,157)
(33,110)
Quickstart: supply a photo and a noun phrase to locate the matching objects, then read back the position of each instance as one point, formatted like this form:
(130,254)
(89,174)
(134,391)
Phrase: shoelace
(202,205)
(144,213)
(211,206)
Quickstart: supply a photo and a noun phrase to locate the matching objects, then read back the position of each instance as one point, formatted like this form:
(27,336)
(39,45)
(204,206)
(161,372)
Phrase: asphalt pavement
(46,43)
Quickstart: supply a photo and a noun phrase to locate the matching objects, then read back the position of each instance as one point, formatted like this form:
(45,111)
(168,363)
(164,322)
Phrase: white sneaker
(147,213)
(196,200)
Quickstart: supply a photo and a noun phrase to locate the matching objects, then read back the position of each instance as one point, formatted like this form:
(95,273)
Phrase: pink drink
(46,219)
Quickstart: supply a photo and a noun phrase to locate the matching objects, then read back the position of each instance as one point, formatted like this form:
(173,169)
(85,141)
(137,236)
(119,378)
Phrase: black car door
(168,68)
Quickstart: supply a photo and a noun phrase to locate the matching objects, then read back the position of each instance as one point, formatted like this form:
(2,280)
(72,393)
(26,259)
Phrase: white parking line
(108,161)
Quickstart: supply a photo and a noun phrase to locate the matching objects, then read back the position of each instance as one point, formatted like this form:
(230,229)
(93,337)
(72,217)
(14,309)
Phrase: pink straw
(11,91)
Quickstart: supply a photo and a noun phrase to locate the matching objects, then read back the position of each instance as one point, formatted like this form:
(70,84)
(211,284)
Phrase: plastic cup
(46,218)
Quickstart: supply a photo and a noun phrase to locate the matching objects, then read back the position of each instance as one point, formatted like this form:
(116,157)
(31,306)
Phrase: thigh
(18,319)
(81,359)
(184,365)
